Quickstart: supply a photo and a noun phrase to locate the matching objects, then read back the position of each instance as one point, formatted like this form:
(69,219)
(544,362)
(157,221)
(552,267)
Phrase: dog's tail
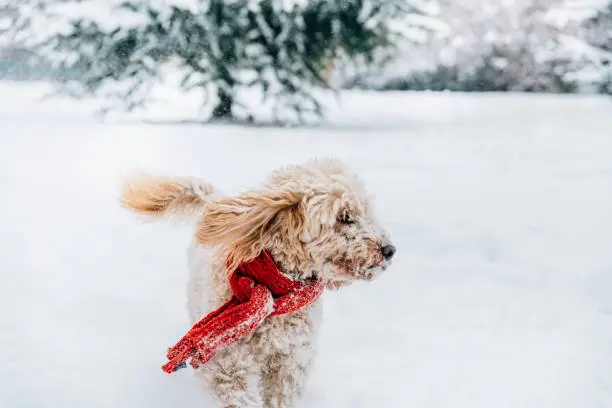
(160,197)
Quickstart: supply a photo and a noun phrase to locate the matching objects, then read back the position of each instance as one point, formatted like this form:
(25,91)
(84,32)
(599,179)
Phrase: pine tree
(280,47)
(598,34)
(505,46)
(490,45)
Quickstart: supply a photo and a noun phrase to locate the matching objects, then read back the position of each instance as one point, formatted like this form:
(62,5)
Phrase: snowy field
(500,296)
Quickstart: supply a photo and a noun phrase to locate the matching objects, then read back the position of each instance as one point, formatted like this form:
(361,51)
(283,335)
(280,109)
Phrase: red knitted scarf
(259,290)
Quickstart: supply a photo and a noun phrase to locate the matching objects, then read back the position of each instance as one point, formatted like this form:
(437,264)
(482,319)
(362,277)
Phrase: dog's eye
(345,218)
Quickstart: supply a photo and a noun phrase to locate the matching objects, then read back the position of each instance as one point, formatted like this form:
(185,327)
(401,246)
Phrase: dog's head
(316,219)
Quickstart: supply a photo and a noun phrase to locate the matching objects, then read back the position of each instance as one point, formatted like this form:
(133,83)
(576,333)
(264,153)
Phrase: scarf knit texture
(259,290)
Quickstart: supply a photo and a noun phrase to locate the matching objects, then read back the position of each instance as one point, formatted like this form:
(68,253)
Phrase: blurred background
(483,128)
(287,49)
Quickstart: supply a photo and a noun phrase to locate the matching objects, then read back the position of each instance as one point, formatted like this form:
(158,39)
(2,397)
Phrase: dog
(315,219)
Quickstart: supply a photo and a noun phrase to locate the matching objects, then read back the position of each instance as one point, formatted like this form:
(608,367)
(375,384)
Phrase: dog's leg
(228,376)
(284,378)
(286,347)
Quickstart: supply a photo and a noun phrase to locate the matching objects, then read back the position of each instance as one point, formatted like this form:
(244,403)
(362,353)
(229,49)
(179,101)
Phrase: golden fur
(160,196)
(315,219)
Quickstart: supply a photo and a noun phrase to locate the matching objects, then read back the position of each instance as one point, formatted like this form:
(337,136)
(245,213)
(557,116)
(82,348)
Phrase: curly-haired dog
(316,221)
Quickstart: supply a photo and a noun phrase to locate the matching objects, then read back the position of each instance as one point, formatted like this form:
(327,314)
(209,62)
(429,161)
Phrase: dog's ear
(241,223)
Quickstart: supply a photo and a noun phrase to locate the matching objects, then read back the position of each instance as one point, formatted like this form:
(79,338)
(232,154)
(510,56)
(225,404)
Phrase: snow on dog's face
(342,237)
(316,219)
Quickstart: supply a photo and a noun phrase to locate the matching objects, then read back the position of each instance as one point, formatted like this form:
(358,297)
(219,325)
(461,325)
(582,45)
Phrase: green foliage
(226,46)
(598,32)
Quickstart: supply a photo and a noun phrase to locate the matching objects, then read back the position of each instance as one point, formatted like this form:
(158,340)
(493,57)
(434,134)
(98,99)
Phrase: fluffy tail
(163,196)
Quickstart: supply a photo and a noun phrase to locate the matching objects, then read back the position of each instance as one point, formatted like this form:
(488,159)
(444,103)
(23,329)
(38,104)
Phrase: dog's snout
(388,251)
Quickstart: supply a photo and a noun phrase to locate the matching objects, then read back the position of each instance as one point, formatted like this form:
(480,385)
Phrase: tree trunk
(223,110)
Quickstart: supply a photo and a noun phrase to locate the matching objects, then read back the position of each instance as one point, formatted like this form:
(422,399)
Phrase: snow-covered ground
(501,294)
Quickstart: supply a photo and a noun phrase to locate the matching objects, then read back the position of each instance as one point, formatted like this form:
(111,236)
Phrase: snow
(58,17)
(499,296)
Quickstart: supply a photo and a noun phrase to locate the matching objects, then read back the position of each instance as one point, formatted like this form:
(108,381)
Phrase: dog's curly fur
(315,219)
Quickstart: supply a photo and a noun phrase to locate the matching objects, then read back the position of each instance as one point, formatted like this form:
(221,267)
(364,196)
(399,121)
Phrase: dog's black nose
(388,251)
